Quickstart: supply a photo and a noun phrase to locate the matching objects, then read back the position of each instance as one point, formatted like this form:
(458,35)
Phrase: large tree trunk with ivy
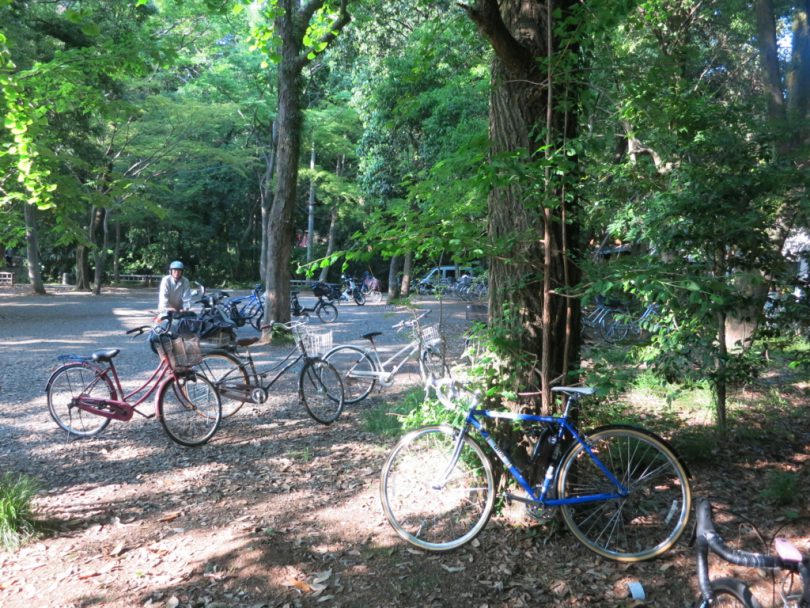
(533,235)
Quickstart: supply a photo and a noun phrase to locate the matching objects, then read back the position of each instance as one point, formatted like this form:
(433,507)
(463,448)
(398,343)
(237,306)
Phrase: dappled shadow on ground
(278,510)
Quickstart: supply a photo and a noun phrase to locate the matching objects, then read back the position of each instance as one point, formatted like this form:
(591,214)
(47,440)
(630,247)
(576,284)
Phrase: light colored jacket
(172,293)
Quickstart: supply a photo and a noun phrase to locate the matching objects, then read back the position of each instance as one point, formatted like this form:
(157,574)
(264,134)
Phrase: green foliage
(698,190)
(781,488)
(423,152)
(16,513)
(387,420)
(411,412)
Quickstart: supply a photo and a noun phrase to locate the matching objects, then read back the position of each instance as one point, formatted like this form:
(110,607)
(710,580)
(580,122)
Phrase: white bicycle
(362,368)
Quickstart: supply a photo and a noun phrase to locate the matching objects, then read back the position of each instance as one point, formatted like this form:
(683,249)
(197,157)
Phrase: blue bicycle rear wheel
(655,511)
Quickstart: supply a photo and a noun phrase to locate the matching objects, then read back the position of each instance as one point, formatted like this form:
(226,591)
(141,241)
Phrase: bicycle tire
(65,385)
(356,368)
(189,409)
(359,298)
(327,312)
(256,313)
(731,593)
(654,514)
(430,517)
(374,296)
(613,329)
(321,390)
(432,366)
(228,374)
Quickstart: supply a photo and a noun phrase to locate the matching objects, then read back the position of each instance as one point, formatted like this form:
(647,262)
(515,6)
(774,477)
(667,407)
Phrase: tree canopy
(523,136)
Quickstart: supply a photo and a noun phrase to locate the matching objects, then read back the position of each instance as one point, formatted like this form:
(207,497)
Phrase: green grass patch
(411,412)
(781,488)
(386,419)
(16,513)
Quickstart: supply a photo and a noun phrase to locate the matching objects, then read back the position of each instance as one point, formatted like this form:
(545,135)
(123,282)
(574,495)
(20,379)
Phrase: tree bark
(769,56)
(330,240)
(798,78)
(290,27)
(407,267)
(98,232)
(266,194)
(393,284)
(32,250)
(311,205)
(528,113)
(82,268)
(279,222)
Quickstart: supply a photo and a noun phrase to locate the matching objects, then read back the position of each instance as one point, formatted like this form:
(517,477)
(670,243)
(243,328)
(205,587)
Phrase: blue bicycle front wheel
(431,501)
(653,513)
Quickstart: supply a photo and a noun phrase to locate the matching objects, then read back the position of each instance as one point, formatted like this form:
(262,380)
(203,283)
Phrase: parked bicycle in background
(351,291)
(323,308)
(361,368)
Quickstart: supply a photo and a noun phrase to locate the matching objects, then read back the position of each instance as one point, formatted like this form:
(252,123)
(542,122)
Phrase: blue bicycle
(622,490)
(247,309)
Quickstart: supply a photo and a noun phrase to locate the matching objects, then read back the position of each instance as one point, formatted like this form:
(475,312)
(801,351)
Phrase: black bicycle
(239,380)
(728,591)
(326,311)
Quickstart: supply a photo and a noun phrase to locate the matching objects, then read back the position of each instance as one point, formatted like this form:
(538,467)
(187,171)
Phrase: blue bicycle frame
(562,425)
(247,304)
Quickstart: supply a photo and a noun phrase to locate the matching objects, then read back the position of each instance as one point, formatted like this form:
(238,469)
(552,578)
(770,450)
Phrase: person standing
(174,292)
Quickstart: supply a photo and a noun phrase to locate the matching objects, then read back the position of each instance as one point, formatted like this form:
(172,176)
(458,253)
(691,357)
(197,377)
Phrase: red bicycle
(85,393)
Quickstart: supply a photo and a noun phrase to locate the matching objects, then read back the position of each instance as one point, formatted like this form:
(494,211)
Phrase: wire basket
(218,340)
(430,335)
(315,343)
(318,343)
(181,353)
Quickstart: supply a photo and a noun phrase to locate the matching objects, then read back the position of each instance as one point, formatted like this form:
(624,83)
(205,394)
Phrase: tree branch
(342,20)
(486,15)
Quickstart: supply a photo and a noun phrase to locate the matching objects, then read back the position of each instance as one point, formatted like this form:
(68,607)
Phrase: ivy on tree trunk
(533,236)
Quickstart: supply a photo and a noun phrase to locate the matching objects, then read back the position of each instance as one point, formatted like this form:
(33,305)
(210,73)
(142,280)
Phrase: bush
(16,515)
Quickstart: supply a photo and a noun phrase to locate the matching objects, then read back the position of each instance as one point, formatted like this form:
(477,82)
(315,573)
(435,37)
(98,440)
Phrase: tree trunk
(405,287)
(720,379)
(311,205)
(117,253)
(279,225)
(529,111)
(82,268)
(266,194)
(798,78)
(740,326)
(330,241)
(98,231)
(769,56)
(290,27)
(32,250)
(393,284)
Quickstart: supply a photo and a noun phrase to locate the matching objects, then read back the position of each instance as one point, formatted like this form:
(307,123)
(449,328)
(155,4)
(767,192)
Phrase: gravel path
(138,520)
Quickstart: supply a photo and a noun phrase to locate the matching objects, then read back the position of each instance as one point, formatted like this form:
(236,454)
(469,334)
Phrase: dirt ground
(279,511)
